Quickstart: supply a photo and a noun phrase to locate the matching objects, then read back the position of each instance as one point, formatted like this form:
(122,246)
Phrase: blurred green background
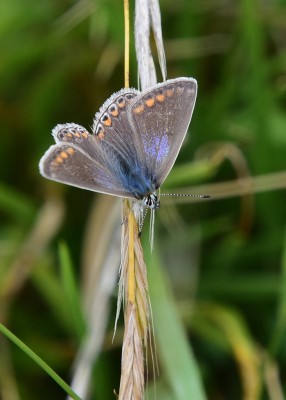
(218,271)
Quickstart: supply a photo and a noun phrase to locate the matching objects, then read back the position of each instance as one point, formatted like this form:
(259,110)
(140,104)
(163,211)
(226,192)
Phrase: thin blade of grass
(279,331)
(191,172)
(244,348)
(176,358)
(39,361)
(50,289)
(16,204)
(71,290)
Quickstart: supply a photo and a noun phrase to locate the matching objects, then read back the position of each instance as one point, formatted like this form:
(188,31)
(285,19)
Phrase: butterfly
(136,137)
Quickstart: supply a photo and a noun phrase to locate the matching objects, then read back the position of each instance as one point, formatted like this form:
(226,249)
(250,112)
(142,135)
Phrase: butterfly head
(151,201)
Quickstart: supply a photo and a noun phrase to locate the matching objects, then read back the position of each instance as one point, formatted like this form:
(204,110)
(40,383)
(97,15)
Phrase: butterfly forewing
(112,125)
(161,117)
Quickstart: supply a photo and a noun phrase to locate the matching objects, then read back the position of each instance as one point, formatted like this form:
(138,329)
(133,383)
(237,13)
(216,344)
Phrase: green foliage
(225,258)
(39,361)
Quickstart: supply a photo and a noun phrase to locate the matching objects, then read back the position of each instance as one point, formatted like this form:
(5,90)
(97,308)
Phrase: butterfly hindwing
(68,163)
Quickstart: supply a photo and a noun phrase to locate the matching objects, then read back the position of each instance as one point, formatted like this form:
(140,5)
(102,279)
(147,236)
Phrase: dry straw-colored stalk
(134,294)
(133,285)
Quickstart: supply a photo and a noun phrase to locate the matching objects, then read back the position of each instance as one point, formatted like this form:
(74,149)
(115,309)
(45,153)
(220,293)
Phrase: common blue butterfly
(135,140)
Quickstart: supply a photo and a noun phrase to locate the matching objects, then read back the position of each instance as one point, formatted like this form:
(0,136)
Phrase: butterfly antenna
(142,222)
(198,196)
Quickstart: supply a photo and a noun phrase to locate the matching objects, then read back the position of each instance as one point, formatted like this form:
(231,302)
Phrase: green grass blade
(279,331)
(15,204)
(174,351)
(188,173)
(71,290)
(39,361)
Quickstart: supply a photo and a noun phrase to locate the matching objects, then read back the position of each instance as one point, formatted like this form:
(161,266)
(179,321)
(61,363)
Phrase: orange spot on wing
(99,131)
(170,92)
(121,104)
(107,122)
(59,160)
(77,134)
(150,102)
(85,135)
(70,151)
(114,113)
(64,154)
(139,109)
(69,135)
(160,97)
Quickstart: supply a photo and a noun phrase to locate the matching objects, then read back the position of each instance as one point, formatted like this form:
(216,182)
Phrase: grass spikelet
(133,292)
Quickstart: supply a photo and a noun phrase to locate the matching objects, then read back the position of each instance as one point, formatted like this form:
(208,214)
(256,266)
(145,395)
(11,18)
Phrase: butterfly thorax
(137,180)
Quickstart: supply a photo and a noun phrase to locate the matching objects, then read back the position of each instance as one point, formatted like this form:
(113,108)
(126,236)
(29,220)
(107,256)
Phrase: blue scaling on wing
(158,148)
(131,174)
